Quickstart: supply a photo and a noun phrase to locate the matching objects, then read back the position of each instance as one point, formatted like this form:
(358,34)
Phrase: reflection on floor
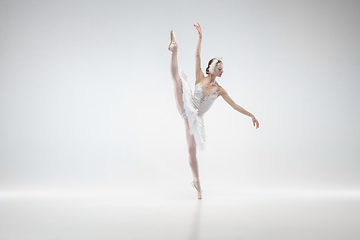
(250,214)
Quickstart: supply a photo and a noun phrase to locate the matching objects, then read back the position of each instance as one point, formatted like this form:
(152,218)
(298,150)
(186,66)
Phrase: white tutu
(194,109)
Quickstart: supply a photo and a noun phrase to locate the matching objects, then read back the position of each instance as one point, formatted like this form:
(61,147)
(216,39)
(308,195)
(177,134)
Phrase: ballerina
(192,106)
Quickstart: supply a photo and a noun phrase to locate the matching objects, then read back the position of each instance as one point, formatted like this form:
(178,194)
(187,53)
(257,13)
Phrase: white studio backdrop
(86,98)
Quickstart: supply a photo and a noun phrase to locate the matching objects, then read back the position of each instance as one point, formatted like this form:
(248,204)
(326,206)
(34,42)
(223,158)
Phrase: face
(219,69)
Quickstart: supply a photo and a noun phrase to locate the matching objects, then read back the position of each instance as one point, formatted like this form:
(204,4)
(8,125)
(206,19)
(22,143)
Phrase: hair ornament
(213,64)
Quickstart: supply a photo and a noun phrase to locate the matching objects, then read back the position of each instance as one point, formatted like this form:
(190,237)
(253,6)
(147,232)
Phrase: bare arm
(199,73)
(231,102)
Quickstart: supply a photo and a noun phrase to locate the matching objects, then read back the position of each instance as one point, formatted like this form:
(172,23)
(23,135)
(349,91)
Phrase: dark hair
(211,60)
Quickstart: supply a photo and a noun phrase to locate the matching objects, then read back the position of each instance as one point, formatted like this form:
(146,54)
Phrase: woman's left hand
(255,122)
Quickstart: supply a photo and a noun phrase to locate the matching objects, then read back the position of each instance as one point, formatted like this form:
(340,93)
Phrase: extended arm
(231,102)
(199,73)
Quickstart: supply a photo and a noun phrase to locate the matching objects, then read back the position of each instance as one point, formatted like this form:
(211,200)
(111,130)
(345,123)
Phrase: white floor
(247,214)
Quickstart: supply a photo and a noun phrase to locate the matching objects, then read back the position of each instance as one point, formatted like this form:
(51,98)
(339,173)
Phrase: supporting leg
(193,162)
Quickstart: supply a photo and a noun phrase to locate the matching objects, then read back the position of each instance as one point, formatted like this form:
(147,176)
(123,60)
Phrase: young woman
(192,107)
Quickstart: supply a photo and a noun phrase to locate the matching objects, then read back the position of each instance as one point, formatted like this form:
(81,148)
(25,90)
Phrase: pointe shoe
(197,190)
(173,44)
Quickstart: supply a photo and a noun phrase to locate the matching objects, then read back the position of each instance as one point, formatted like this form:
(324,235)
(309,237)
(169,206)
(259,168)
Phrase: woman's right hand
(198,28)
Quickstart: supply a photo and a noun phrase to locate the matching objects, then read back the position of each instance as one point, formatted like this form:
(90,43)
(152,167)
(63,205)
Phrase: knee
(192,151)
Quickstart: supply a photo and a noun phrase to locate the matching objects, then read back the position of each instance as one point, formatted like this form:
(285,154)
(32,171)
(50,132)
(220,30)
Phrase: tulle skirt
(196,122)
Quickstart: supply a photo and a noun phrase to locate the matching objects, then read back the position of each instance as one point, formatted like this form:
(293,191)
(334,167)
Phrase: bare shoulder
(221,90)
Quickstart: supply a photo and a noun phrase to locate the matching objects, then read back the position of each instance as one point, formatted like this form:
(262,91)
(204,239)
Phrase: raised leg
(174,72)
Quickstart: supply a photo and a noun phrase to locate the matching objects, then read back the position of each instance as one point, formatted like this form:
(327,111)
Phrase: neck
(212,78)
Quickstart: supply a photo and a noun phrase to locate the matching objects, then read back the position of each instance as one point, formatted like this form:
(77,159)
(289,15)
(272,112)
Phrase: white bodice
(203,105)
